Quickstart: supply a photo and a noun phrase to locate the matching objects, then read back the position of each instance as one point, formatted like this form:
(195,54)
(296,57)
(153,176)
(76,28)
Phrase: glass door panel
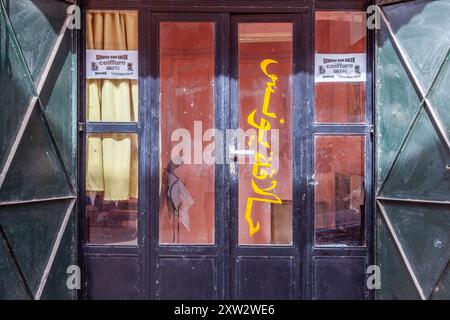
(264,135)
(187,110)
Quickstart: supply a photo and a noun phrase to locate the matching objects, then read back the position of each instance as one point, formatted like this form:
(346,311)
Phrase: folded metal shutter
(413,149)
(38,149)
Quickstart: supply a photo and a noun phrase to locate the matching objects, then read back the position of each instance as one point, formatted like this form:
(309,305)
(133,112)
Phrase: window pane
(112,189)
(339,190)
(340,37)
(187,181)
(265,177)
(112,66)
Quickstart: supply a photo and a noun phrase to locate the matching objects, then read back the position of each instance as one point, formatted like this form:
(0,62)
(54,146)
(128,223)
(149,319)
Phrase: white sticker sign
(349,67)
(111,64)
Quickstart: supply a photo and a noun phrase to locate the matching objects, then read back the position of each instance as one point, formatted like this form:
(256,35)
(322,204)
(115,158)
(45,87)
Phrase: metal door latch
(232,168)
(234,152)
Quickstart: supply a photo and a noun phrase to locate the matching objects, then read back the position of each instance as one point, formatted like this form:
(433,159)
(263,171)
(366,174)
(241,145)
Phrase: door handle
(233,153)
(236,152)
(232,168)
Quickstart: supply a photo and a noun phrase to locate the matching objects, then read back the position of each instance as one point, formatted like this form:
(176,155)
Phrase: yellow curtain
(112,159)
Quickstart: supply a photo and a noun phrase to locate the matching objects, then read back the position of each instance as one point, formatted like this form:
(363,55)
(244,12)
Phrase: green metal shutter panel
(413,150)
(38,149)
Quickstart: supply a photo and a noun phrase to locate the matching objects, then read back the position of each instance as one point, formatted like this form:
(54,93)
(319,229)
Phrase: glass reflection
(187,182)
(112,100)
(340,32)
(112,189)
(264,85)
(339,190)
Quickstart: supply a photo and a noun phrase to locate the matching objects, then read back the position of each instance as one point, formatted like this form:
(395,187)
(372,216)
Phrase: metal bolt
(438,243)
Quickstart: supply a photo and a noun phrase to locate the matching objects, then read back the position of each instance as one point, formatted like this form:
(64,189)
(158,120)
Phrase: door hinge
(81,126)
(371,129)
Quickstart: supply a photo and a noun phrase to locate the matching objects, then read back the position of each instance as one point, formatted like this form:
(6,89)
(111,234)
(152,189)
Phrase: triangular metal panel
(417,36)
(423,233)
(36,172)
(420,172)
(58,98)
(396,109)
(55,287)
(17,90)
(46,19)
(11,285)
(396,282)
(32,230)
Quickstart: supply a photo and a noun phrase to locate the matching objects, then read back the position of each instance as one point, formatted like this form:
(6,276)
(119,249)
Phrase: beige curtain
(112,158)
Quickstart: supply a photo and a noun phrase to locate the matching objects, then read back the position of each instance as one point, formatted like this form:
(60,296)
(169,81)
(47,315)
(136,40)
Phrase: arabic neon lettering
(262,169)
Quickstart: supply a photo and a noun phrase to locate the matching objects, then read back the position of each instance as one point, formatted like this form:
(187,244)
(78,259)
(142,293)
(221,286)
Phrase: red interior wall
(187,95)
(340,32)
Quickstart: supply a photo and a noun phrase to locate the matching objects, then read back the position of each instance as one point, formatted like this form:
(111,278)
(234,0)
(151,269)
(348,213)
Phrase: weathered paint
(413,151)
(38,150)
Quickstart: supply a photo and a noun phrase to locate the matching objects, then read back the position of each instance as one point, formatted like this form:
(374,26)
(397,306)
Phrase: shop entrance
(248,172)
(226,209)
